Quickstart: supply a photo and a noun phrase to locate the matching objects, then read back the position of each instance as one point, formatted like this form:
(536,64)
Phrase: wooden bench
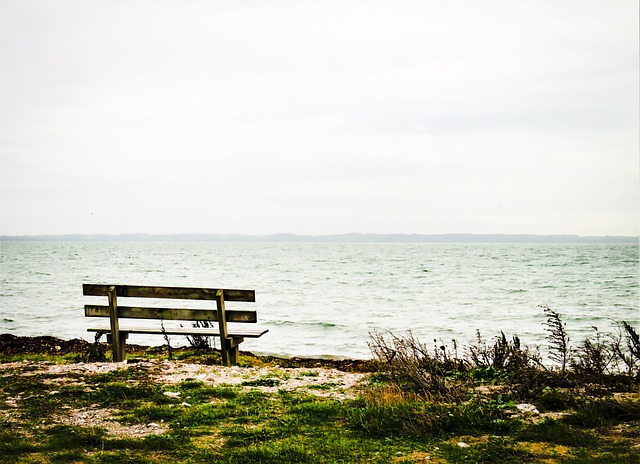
(230,338)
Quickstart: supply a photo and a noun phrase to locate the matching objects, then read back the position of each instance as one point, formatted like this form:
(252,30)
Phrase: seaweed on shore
(15,345)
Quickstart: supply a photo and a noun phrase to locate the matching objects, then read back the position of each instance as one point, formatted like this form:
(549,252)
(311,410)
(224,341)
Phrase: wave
(327,325)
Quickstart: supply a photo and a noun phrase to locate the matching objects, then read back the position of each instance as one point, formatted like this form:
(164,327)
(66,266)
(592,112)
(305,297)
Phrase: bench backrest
(115,312)
(177,293)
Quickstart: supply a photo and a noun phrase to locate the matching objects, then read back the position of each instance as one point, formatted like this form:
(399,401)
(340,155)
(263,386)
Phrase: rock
(527,408)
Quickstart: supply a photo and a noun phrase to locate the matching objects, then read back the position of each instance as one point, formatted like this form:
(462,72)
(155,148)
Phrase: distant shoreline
(337,238)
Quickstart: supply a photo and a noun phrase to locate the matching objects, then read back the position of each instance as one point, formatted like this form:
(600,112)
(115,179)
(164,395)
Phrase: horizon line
(356,237)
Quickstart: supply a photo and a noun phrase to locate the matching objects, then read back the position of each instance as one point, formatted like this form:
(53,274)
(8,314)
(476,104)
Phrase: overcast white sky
(319,117)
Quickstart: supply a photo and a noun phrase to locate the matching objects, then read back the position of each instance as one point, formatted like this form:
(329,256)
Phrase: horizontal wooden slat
(171,314)
(235,332)
(181,293)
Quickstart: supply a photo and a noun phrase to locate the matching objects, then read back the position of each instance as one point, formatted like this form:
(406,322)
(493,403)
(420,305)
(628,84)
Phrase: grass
(244,424)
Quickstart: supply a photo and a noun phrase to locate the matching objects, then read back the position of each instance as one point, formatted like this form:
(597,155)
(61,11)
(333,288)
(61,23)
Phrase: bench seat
(213,331)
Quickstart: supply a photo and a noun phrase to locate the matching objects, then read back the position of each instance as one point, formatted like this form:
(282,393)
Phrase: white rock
(526,407)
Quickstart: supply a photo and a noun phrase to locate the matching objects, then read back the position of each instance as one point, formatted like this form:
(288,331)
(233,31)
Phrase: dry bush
(508,355)
(410,363)
(440,374)
(593,359)
(626,347)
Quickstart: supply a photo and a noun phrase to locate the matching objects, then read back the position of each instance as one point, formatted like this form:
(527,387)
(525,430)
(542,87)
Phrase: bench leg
(119,352)
(233,354)
(226,351)
(230,350)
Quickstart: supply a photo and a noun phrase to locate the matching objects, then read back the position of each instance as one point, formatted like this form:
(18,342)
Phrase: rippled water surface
(325,298)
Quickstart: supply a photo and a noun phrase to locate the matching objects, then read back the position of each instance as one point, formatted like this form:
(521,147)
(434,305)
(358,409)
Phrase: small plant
(559,348)
(96,352)
(629,354)
(482,355)
(633,340)
(167,340)
(593,358)
(202,342)
(507,355)
(554,399)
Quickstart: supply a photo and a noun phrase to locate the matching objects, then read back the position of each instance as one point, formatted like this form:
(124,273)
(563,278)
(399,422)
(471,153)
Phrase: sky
(319,117)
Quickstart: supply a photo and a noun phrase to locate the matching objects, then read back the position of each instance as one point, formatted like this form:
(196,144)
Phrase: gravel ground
(314,380)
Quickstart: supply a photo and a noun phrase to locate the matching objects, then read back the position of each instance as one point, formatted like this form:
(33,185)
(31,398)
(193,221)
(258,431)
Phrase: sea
(327,299)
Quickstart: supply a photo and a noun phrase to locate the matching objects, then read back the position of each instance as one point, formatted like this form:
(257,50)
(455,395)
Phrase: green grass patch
(389,412)
(492,449)
(603,412)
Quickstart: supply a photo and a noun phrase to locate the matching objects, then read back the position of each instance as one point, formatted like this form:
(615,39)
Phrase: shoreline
(13,345)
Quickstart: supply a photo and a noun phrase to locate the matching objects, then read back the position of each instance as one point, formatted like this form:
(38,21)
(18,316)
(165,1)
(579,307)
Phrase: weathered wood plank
(181,293)
(225,343)
(232,332)
(171,314)
(117,342)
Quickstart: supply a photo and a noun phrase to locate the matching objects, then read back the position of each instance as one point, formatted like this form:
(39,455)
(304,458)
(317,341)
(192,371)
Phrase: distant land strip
(338,238)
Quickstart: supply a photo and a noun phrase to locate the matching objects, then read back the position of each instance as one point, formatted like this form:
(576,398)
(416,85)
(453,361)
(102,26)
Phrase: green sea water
(325,298)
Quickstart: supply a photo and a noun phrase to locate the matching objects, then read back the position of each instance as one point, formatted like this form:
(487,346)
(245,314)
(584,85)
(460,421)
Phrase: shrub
(409,363)
(439,374)
(507,355)
(553,399)
(629,351)
(593,358)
